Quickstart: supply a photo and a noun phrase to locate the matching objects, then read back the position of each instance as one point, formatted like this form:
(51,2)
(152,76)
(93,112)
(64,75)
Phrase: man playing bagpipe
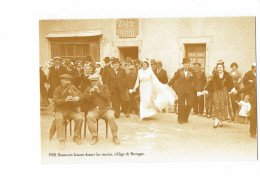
(66,97)
(97,97)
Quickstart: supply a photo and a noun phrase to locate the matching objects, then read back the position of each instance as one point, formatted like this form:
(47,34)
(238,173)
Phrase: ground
(159,138)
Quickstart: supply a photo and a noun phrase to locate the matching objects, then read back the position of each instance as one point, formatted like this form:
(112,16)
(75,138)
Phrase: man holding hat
(184,90)
(55,71)
(117,85)
(161,73)
(199,84)
(97,97)
(130,81)
(66,97)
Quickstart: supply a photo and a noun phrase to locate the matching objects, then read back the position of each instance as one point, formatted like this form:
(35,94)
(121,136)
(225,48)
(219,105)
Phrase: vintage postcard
(148,89)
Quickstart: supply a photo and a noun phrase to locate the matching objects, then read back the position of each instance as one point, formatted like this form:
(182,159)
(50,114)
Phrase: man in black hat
(199,84)
(66,97)
(184,90)
(116,83)
(97,98)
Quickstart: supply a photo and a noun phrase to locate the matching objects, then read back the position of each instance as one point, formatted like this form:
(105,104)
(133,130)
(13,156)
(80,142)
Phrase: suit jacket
(199,80)
(131,79)
(118,82)
(248,76)
(162,76)
(99,100)
(185,85)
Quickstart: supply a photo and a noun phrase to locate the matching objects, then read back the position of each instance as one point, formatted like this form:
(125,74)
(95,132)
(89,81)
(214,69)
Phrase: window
(75,49)
(196,53)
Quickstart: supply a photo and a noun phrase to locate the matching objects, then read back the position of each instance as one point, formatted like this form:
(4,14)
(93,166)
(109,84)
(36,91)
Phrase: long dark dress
(220,87)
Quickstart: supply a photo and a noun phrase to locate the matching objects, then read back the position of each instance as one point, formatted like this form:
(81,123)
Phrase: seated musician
(66,97)
(97,97)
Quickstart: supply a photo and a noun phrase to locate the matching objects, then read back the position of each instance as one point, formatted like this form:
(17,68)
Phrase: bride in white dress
(154,96)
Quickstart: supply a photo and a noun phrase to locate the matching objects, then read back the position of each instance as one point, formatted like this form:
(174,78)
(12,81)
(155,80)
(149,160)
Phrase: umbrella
(52,130)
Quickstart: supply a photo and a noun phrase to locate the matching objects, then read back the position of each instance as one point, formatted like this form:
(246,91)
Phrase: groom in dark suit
(184,90)
(117,85)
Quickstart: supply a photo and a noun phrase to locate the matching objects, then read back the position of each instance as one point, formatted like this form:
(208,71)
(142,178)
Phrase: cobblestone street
(159,138)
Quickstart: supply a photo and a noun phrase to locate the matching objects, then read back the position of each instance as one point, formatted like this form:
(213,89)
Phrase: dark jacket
(180,84)
(216,83)
(131,79)
(248,76)
(100,100)
(117,83)
(199,80)
(104,73)
(59,96)
(162,76)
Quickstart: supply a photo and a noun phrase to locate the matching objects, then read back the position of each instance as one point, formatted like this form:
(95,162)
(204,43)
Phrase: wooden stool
(85,126)
(67,120)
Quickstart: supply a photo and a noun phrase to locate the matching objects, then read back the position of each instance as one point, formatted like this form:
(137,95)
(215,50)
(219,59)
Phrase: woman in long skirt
(221,85)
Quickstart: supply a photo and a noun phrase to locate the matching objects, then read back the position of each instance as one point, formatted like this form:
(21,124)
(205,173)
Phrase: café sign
(127,28)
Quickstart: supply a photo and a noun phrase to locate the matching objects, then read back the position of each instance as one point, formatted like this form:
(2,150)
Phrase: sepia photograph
(148,89)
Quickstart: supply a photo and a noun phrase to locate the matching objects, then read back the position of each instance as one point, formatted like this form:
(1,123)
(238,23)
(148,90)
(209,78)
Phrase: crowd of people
(106,91)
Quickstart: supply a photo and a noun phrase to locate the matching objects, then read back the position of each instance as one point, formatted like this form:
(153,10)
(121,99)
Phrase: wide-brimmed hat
(106,59)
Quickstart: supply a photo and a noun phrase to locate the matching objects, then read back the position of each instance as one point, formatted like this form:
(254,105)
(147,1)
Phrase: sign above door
(127,28)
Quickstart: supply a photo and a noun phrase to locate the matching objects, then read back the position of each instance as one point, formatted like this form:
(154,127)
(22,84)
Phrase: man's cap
(98,63)
(79,61)
(128,59)
(94,77)
(159,63)
(115,60)
(56,57)
(196,63)
(185,60)
(254,64)
(131,67)
(65,76)
(153,61)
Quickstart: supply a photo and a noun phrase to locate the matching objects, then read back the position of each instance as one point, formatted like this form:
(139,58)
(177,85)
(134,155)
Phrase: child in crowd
(245,108)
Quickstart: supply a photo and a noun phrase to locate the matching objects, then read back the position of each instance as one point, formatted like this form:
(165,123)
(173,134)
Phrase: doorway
(125,52)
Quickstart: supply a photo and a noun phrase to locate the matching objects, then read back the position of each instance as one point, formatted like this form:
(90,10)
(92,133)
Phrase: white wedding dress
(154,96)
